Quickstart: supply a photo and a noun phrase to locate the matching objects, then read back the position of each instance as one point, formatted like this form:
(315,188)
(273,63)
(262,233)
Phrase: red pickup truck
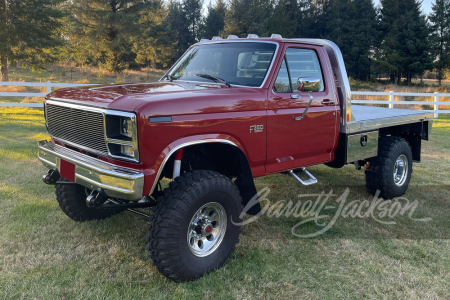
(228,111)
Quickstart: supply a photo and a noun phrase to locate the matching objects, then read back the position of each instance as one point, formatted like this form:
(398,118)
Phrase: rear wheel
(191,230)
(72,200)
(390,172)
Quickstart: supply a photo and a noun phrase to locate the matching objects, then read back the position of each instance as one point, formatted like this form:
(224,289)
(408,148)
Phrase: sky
(426,4)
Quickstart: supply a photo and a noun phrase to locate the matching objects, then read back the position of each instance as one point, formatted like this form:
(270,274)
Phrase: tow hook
(51,177)
(96,199)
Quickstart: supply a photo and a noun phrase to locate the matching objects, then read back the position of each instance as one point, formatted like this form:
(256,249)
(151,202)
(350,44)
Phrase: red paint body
(210,111)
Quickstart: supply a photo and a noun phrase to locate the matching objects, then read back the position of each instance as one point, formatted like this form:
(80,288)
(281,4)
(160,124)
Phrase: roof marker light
(230,37)
(216,38)
(203,40)
(276,36)
(252,36)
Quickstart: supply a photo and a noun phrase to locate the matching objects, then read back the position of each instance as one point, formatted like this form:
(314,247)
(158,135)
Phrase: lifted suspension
(98,199)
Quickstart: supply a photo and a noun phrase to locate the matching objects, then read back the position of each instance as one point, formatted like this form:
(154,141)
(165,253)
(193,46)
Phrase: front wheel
(191,231)
(390,172)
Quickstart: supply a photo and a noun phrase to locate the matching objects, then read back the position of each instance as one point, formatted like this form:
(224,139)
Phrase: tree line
(395,40)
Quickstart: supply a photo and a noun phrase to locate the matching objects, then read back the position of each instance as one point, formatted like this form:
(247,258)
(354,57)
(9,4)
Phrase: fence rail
(390,102)
(48,85)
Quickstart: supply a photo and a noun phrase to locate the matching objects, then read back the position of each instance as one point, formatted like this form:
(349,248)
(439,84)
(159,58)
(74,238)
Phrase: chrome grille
(80,127)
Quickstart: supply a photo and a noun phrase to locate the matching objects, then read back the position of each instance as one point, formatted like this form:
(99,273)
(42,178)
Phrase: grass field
(63,74)
(45,255)
(425,82)
(432,82)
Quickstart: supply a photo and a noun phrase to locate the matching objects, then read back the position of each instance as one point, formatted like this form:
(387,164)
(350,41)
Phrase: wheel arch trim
(184,145)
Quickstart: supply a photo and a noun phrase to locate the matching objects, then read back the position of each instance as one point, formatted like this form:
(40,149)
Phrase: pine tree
(307,20)
(154,42)
(336,23)
(215,20)
(440,36)
(405,47)
(113,34)
(29,29)
(362,39)
(285,18)
(178,23)
(351,24)
(192,10)
(248,16)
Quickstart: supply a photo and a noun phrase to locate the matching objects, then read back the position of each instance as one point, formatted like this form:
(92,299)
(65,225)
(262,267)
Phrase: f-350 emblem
(256,128)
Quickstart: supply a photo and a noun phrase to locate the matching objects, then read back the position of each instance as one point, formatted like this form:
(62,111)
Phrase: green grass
(45,255)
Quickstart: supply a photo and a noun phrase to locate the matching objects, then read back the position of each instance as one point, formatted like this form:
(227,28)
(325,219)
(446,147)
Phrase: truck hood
(125,97)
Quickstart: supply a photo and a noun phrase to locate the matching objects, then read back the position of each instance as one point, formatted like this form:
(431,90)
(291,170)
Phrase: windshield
(234,63)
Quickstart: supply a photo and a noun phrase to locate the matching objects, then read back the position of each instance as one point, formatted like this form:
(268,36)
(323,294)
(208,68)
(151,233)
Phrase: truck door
(293,142)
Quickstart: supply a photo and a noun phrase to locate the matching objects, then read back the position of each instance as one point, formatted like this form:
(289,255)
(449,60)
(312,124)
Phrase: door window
(298,63)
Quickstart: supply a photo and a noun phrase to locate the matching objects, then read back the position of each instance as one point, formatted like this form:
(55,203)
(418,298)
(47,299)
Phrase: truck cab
(228,111)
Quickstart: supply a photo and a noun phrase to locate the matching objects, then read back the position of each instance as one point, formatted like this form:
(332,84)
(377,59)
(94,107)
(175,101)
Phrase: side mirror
(308,84)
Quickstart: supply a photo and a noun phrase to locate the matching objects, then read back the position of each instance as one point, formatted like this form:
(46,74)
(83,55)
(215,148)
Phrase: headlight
(121,135)
(126,127)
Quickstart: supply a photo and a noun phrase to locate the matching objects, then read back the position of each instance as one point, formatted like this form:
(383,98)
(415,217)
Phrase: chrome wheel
(400,170)
(207,229)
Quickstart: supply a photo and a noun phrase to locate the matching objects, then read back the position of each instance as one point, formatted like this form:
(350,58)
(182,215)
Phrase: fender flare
(244,181)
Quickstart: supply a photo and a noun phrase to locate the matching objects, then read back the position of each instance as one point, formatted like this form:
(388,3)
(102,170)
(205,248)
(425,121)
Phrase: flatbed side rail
(391,102)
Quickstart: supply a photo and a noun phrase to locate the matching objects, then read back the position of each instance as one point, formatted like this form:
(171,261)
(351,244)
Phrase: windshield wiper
(214,78)
(170,77)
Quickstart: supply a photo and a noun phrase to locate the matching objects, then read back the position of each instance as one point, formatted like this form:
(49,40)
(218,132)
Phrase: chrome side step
(310,181)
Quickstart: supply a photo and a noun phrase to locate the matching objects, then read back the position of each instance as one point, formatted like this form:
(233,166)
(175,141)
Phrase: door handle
(328,101)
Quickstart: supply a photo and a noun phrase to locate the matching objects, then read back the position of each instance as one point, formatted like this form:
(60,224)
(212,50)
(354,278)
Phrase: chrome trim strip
(161,167)
(65,103)
(47,162)
(116,181)
(104,112)
(45,117)
(104,186)
(72,101)
(232,41)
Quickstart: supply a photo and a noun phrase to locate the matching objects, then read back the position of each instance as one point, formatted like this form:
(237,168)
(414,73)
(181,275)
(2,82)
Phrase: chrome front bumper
(115,181)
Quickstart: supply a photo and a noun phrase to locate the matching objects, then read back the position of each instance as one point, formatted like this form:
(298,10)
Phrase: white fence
(48,85)
(390,102)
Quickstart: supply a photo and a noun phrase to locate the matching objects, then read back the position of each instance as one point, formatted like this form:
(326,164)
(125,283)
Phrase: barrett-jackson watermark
(313,208)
